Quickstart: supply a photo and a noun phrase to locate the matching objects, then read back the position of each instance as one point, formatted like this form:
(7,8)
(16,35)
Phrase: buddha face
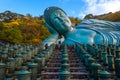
(60,21)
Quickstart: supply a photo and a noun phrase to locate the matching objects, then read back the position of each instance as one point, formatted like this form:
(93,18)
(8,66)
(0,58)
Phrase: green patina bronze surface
(87,32)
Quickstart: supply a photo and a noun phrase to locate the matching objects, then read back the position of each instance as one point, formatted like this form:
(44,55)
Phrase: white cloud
(98,7)
(81,15)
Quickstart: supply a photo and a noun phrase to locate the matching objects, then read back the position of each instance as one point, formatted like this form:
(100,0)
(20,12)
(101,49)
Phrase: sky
(73,8)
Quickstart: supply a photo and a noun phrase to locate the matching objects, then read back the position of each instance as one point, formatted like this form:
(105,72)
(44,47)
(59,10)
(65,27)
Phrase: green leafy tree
(12,35)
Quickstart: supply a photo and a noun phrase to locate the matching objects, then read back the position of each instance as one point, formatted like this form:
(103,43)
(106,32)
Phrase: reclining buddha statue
(87,32)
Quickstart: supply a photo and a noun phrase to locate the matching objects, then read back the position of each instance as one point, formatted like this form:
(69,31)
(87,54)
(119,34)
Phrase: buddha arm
(53,38)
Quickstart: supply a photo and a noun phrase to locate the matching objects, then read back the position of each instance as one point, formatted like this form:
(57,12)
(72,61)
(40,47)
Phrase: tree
(12,35)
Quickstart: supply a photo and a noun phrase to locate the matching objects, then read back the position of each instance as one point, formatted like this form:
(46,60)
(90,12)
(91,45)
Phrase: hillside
(18,28)
(8,15)
(114,17)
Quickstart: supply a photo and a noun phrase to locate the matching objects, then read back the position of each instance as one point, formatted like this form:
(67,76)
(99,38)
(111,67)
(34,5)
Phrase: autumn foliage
(25,29)
(17,28)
